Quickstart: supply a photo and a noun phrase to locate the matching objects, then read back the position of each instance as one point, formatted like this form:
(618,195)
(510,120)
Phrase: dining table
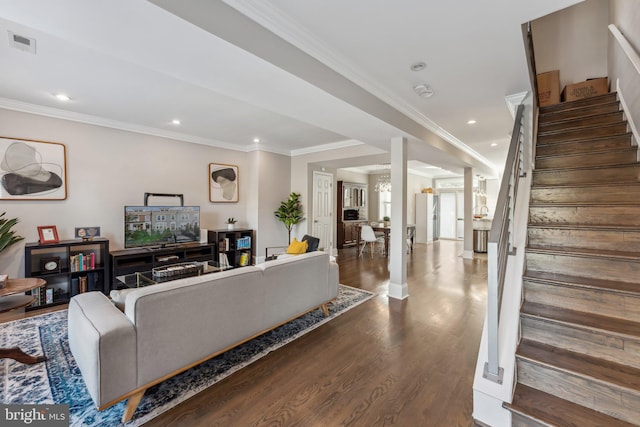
(386,229)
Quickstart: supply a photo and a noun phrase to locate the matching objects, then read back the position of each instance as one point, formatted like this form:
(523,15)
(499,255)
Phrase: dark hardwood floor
(384,363)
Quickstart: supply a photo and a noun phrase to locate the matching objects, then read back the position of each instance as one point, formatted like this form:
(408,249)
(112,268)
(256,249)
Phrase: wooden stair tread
(579,103)
(590,185)
(590,153)
(583,282)
(579,319)
(579,111)
(581,128)
(586,139)
(555,411)
(571,120)
(585,227)
(600,253)
(580,364)
(597,167)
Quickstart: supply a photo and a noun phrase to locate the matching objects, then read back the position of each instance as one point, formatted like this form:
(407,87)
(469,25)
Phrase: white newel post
(398,287)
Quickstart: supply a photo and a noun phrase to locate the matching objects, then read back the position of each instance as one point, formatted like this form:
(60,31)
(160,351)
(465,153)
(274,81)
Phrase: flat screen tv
(160,225)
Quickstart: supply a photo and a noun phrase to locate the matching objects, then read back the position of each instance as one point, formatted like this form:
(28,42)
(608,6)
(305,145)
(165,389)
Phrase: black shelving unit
(74,266)
(237,245)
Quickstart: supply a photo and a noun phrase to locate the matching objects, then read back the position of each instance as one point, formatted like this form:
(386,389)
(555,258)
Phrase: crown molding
(326,147)
(514,100)
(56,113)
(274,20)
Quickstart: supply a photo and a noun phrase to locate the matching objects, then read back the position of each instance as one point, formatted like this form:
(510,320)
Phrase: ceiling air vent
(21,42)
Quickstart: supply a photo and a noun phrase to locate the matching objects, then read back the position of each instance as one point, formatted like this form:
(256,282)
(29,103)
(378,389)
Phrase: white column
(398,287)
(468,213)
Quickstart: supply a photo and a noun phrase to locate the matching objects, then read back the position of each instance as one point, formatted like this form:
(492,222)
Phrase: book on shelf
(224,261)
(83,262)
(244,259)
(82,284)
(75,286)
(48,296)
(244,242)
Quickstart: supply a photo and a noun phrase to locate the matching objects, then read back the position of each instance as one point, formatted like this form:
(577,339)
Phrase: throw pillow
(118,297)
(297,247)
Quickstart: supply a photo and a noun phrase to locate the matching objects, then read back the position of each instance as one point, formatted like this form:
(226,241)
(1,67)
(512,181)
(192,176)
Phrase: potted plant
(7,236)
(386,220)
(231,223)
(290,212)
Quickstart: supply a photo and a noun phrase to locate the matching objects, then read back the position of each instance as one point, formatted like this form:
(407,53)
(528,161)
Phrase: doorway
(322,220)
(451,214)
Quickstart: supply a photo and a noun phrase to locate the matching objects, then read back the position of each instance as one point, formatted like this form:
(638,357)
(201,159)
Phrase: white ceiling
(299,75)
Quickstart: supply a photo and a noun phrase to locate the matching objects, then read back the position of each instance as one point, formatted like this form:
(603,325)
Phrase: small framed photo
(87,233)
(48,234)
(223,183)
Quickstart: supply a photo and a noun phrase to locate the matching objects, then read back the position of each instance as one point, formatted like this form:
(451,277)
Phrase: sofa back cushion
(294,285)
(183,321)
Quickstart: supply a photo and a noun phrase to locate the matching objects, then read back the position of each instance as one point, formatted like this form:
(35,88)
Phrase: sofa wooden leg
(325,310)
(132,405)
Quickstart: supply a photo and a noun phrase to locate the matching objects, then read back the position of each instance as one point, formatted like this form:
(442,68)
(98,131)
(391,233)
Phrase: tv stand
(128,261)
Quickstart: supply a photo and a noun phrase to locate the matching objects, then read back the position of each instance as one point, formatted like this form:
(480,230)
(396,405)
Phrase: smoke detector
(423,90)
(27,44)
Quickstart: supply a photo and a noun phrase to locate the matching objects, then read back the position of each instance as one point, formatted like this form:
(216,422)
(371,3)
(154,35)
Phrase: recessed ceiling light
(176,122)
(471,122)
(418,66)
(256,140)
(423,90)
(494,144)
(62,97)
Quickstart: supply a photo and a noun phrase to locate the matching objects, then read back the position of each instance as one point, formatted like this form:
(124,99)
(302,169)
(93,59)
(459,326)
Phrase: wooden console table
(11,297)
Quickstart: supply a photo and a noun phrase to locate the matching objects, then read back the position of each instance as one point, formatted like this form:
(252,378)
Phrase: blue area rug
(58,380)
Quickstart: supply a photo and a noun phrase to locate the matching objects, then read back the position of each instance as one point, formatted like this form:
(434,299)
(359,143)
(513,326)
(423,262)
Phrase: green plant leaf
(7,236)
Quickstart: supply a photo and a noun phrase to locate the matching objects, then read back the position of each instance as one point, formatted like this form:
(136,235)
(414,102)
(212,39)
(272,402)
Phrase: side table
(11,297)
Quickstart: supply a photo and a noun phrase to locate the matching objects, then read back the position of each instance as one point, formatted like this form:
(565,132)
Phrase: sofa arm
(103,342)
(334,279)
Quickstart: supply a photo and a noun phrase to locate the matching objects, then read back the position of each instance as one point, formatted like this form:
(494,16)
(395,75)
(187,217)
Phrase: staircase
(578,361)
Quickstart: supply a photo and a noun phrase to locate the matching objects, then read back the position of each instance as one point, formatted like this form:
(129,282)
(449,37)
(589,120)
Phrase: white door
(448,215)
(452,214)
(323,209)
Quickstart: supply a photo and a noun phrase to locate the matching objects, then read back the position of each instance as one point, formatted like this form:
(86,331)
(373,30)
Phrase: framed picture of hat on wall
(32,170)
(223,183)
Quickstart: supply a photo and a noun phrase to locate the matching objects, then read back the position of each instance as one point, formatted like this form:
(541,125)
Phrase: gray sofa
(167,328)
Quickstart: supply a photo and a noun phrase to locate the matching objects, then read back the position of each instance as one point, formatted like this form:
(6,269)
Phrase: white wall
(108,169)
(625,15)
(574,41)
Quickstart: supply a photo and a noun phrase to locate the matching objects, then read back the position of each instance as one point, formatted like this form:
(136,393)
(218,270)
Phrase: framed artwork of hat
(223,183)
(32,170)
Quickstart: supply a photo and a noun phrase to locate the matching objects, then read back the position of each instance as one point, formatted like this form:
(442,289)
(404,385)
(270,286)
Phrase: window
(384,204)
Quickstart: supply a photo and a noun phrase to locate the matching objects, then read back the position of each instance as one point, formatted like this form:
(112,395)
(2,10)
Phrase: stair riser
(609,195)
(606,398)
(625,157)
(563,106)
(582,147)
(629,173)
(577,134)
(594,267)
(612,304)
(593,343)
(604,119)
(585,215)
(572,114)
(518,420)
(620,240)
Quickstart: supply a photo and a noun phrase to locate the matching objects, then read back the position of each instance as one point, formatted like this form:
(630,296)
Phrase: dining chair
(368,236)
